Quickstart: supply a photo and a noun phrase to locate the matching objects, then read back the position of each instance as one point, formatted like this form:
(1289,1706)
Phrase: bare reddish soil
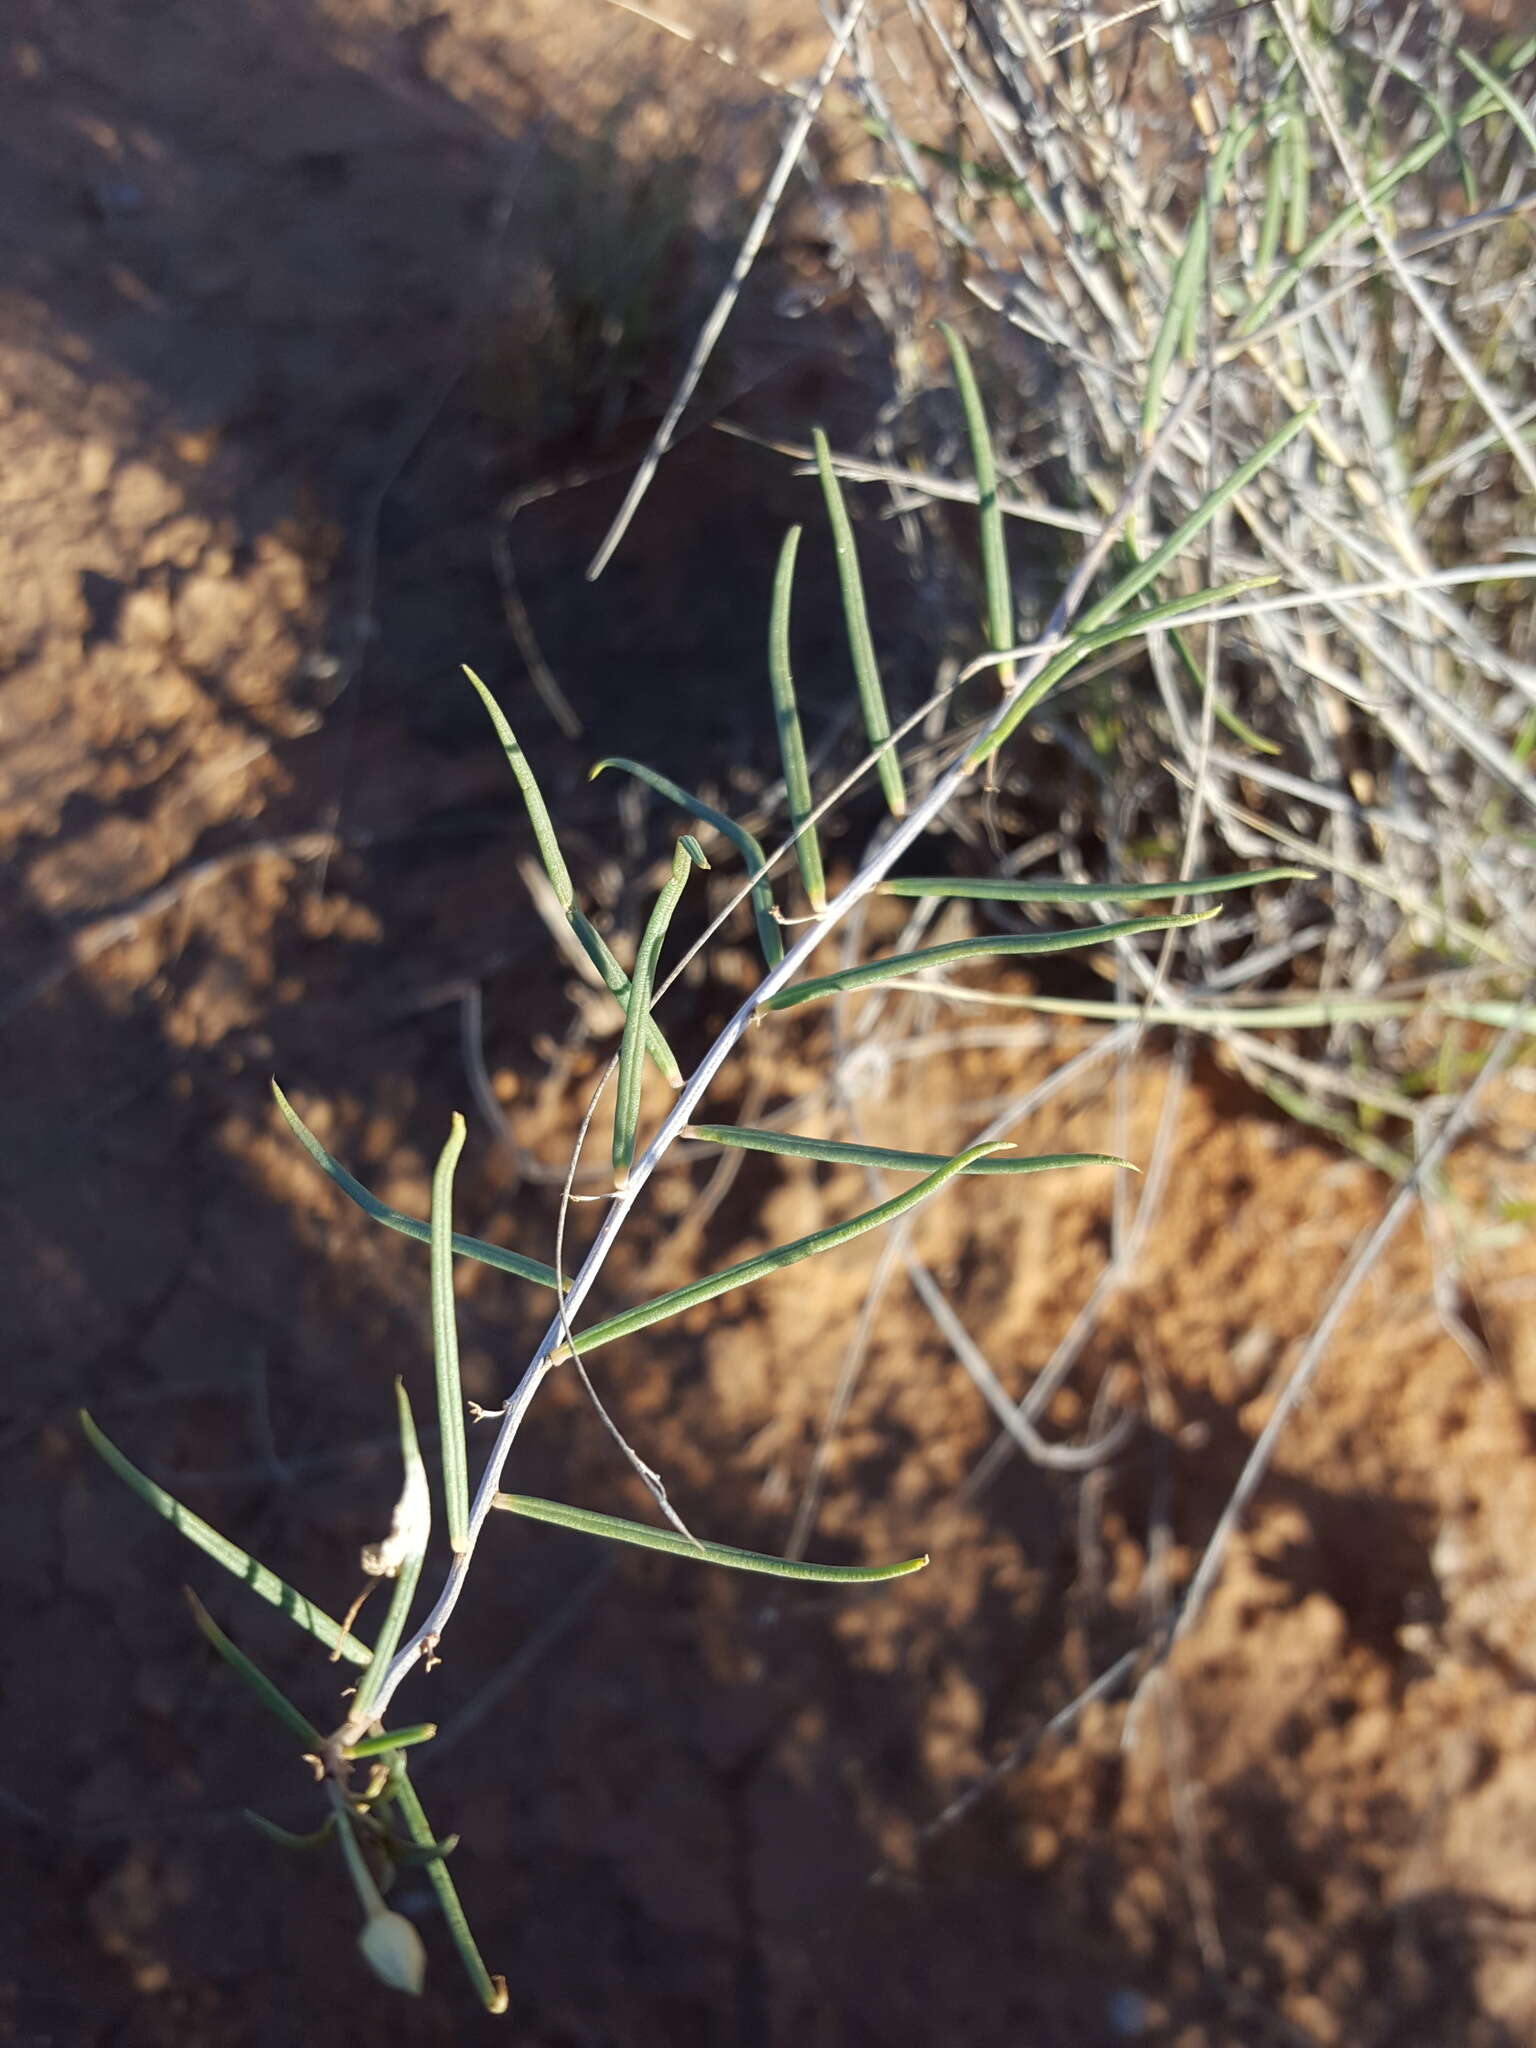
(251,438)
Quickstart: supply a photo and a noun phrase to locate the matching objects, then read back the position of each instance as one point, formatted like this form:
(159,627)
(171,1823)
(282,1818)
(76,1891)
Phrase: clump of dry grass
(1175,233)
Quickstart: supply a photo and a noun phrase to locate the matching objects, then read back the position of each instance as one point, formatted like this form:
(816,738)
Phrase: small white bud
(393,1951)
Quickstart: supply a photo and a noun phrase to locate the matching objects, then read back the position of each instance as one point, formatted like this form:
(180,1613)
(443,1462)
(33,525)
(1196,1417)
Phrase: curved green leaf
(251,1675)
(831,1152)
(998,889)
(797,776)
(1026,944)
(994,545)
(395,1219)
(445,1344)
(490,1990)
(614,1529)
(614,978)
(861,645)
(266,1585)
(626,1115)
(768,934)
(747,1271)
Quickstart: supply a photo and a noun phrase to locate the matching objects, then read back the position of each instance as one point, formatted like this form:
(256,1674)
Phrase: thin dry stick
(713,327)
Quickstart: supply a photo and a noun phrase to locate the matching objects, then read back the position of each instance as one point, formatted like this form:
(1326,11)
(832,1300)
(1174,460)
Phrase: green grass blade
(445,1344)
(786,713)
(861,645)
(491,1991)
(533,798)
(831,1152)
(395,1219)
(995,889)
(994,546)
(399,1556)
(1089,639)
(749,1270)
(626,1115)
(238,1563)
(252,1676)
(1027,944)
(559,874)
(1164,556)
(393,1739)
(614,1529)
(768,934)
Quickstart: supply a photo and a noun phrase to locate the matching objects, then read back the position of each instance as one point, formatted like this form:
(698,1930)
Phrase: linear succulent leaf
(445,1343)
(832,1152)
(266,1585)
(395,1219)
(626,1117)
(797,776)
(768,934)
(615,1529)
(747,1271)
(1009,947)
(861,645)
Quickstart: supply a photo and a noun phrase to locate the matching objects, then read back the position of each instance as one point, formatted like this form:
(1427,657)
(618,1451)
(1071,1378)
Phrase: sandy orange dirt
(252,439)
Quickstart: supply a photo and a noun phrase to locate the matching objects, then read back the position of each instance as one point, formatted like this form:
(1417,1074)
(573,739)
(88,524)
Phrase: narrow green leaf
(445,1344)
(617,983)
(768,934)
(992,946)
(398,1557)
(255,1678)
(861,646)
(996,889)
(994,546)
(395,1219)
(285,1838)
(747,1271)
(559,874)
(797,776)
(1100,617)
(393,1739)
(614,1529)
(239,1563)
(1164,556)
(831,1152)
(1090,641)
(491,1991)
(543,824)
(626,1115)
